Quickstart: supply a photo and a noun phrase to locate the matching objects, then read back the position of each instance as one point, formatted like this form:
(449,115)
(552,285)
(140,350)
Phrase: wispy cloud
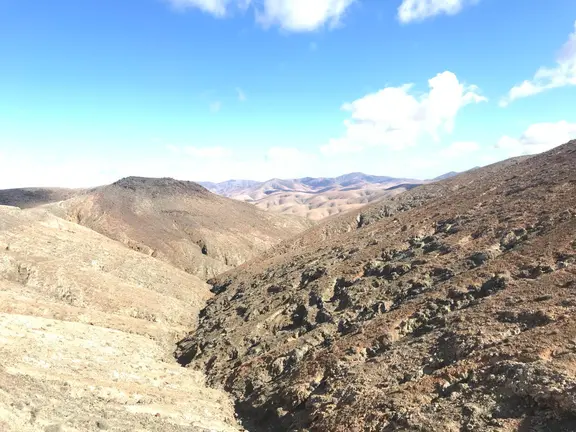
(562,75)
(419,10)
(241,94)
(215,7)
(215,106)
(290,15)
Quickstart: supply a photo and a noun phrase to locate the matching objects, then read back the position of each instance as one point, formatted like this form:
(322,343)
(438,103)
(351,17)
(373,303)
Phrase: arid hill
(87,327)
(34,197)
(451,307)
(318,206)
(314,198)
(179,222)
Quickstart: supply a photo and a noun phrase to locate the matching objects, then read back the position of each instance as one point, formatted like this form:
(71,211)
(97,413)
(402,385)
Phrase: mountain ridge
(233,187)
(315,198)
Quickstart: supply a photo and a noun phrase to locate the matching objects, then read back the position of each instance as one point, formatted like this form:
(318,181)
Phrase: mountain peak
(166,184)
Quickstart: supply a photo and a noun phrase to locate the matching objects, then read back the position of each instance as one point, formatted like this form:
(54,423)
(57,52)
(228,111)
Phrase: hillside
(179,222)
(34,197)
(314,198)
(86,328)
(448,308)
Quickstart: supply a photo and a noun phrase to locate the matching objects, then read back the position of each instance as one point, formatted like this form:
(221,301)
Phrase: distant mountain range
(356,180)
(316,198)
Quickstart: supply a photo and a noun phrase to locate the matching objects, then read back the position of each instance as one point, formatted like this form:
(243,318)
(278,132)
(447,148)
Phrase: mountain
(250,190)
(314,198)
(450,307)
(227,187)
(179,222)
(87,327)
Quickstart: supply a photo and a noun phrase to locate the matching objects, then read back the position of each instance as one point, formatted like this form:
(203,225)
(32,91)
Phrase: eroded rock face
(86,331)
(450,308)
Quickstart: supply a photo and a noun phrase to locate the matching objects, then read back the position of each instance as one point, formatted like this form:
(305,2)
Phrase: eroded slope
(449,308)
(179,222)
(86,328)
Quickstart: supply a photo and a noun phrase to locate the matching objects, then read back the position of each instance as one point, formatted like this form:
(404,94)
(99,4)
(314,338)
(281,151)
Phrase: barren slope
(449,308)
(179,222)
(318,206)
(86,327)
(34,197)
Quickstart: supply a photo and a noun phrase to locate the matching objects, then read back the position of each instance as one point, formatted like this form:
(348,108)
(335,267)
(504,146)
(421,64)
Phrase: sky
(208,90)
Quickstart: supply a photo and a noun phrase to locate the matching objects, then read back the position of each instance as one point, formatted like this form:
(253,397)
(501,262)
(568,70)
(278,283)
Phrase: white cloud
(241,95)
(418,10)
(538,137)
(215,106)
(562,75)
(460,148)
(215,7)
(291,15)
(396,118)
(302,15)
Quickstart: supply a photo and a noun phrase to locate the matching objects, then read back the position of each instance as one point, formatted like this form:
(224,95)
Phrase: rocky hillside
(179,222)
(449,308)
(86,330)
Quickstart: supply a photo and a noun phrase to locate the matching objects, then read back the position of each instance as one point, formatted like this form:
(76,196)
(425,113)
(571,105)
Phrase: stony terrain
(314,198)
(448,308)
(86,331)
(179,222)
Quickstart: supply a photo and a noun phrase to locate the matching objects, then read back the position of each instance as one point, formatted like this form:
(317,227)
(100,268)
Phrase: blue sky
(94,90)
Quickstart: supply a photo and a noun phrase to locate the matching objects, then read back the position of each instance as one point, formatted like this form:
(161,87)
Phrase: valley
(287,216)
(448,306)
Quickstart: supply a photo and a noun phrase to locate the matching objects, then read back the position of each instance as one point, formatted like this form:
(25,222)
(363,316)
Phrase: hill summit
(179,222)
(164,185)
